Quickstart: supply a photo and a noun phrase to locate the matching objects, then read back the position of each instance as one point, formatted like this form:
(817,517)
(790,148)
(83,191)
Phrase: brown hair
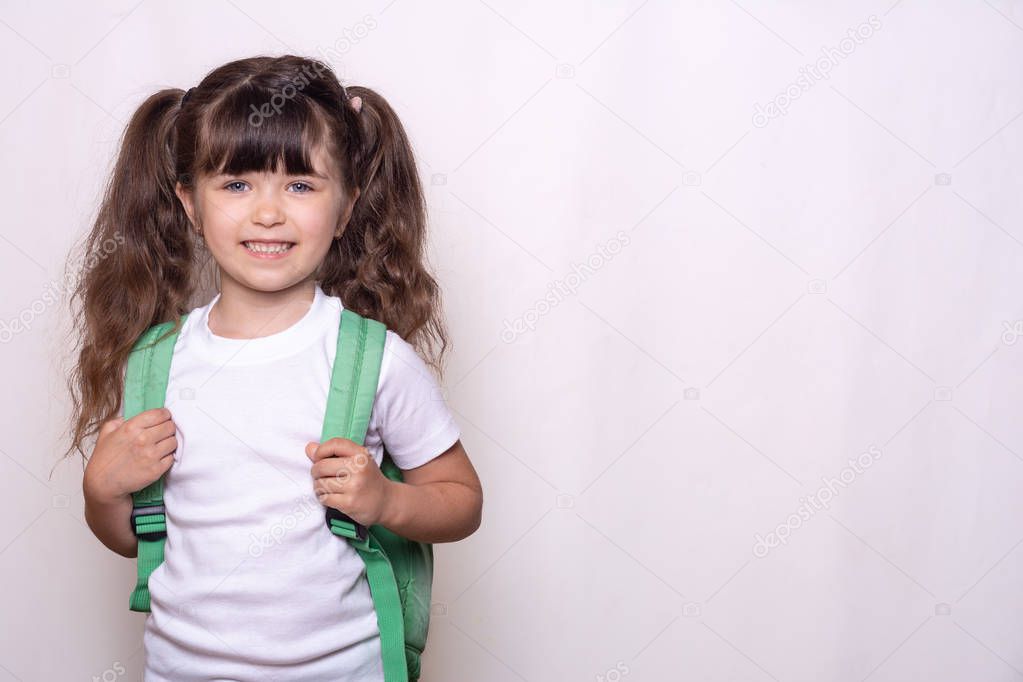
(248,115)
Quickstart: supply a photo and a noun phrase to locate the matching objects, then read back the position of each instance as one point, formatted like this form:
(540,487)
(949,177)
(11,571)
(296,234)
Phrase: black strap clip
(155,530)
(347,526)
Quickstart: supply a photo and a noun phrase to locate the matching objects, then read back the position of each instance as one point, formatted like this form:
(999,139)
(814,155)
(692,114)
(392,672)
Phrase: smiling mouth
(268,247)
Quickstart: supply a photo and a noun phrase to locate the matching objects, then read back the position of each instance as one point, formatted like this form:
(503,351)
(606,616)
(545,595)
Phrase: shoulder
(161,331)
(402,368)
(401,362)
(411,414)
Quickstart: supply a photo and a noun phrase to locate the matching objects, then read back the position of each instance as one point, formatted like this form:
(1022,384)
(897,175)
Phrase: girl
(306,197)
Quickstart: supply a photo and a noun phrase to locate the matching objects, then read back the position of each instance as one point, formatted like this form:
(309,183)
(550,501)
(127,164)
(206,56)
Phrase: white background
(780,299)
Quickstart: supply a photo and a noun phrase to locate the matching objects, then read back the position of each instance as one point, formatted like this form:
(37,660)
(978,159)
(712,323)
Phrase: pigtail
(381,267)
(138,268)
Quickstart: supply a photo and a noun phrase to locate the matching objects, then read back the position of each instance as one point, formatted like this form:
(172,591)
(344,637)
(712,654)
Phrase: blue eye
(306,187)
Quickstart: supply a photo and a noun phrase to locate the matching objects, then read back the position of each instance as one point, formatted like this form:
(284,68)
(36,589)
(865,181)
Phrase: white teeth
(267,248)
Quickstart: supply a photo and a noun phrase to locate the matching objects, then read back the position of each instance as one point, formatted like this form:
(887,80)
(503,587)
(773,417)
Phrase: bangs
(255,130)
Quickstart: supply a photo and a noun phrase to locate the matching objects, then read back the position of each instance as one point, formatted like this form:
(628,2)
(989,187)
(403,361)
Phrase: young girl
(306,197)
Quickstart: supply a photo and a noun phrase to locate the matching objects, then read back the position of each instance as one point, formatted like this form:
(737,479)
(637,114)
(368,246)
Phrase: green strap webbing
(145,388)
(353,387)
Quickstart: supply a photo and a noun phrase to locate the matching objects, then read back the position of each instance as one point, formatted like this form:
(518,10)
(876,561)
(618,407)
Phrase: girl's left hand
(347,478)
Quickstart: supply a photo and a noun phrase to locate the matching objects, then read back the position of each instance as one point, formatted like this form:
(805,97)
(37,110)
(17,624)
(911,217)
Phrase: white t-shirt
(253,584)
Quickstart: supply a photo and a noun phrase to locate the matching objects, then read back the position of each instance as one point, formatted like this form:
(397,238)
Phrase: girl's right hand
(130,454)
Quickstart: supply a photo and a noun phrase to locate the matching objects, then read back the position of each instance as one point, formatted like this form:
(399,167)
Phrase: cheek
(318,225)
(217,238)
(219,220)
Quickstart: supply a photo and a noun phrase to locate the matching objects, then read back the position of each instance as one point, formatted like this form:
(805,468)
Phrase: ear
(186,199)
(348,213)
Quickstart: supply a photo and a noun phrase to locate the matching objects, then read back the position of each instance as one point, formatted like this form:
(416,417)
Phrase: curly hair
(226,124)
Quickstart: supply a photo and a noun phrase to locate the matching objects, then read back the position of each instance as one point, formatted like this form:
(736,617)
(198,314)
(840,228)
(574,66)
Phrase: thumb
(310,449)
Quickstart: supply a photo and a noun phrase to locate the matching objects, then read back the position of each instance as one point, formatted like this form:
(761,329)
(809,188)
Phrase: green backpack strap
(353,387)
(145,388)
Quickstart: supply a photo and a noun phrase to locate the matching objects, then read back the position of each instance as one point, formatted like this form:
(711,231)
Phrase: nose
(267,212)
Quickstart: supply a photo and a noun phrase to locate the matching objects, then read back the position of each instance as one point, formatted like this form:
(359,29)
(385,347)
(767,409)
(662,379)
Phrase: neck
(245,313)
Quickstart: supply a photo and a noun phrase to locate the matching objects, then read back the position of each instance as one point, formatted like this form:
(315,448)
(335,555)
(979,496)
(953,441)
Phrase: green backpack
(400,571)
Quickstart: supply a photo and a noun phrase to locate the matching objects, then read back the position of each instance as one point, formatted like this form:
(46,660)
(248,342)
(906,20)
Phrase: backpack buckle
(149,522)
(342,524)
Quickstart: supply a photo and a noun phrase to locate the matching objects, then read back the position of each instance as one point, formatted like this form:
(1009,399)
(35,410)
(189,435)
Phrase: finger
(167,446)
(160,431)
(328,486)
(151,417)
(337,447)
(166,463)
(332,467)
(335,500)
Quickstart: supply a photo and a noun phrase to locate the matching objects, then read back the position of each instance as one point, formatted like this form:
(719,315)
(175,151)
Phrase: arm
(110,521)
(440,501)
(129,455)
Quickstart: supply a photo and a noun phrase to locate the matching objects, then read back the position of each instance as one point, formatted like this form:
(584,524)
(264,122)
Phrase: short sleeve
(410,415)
